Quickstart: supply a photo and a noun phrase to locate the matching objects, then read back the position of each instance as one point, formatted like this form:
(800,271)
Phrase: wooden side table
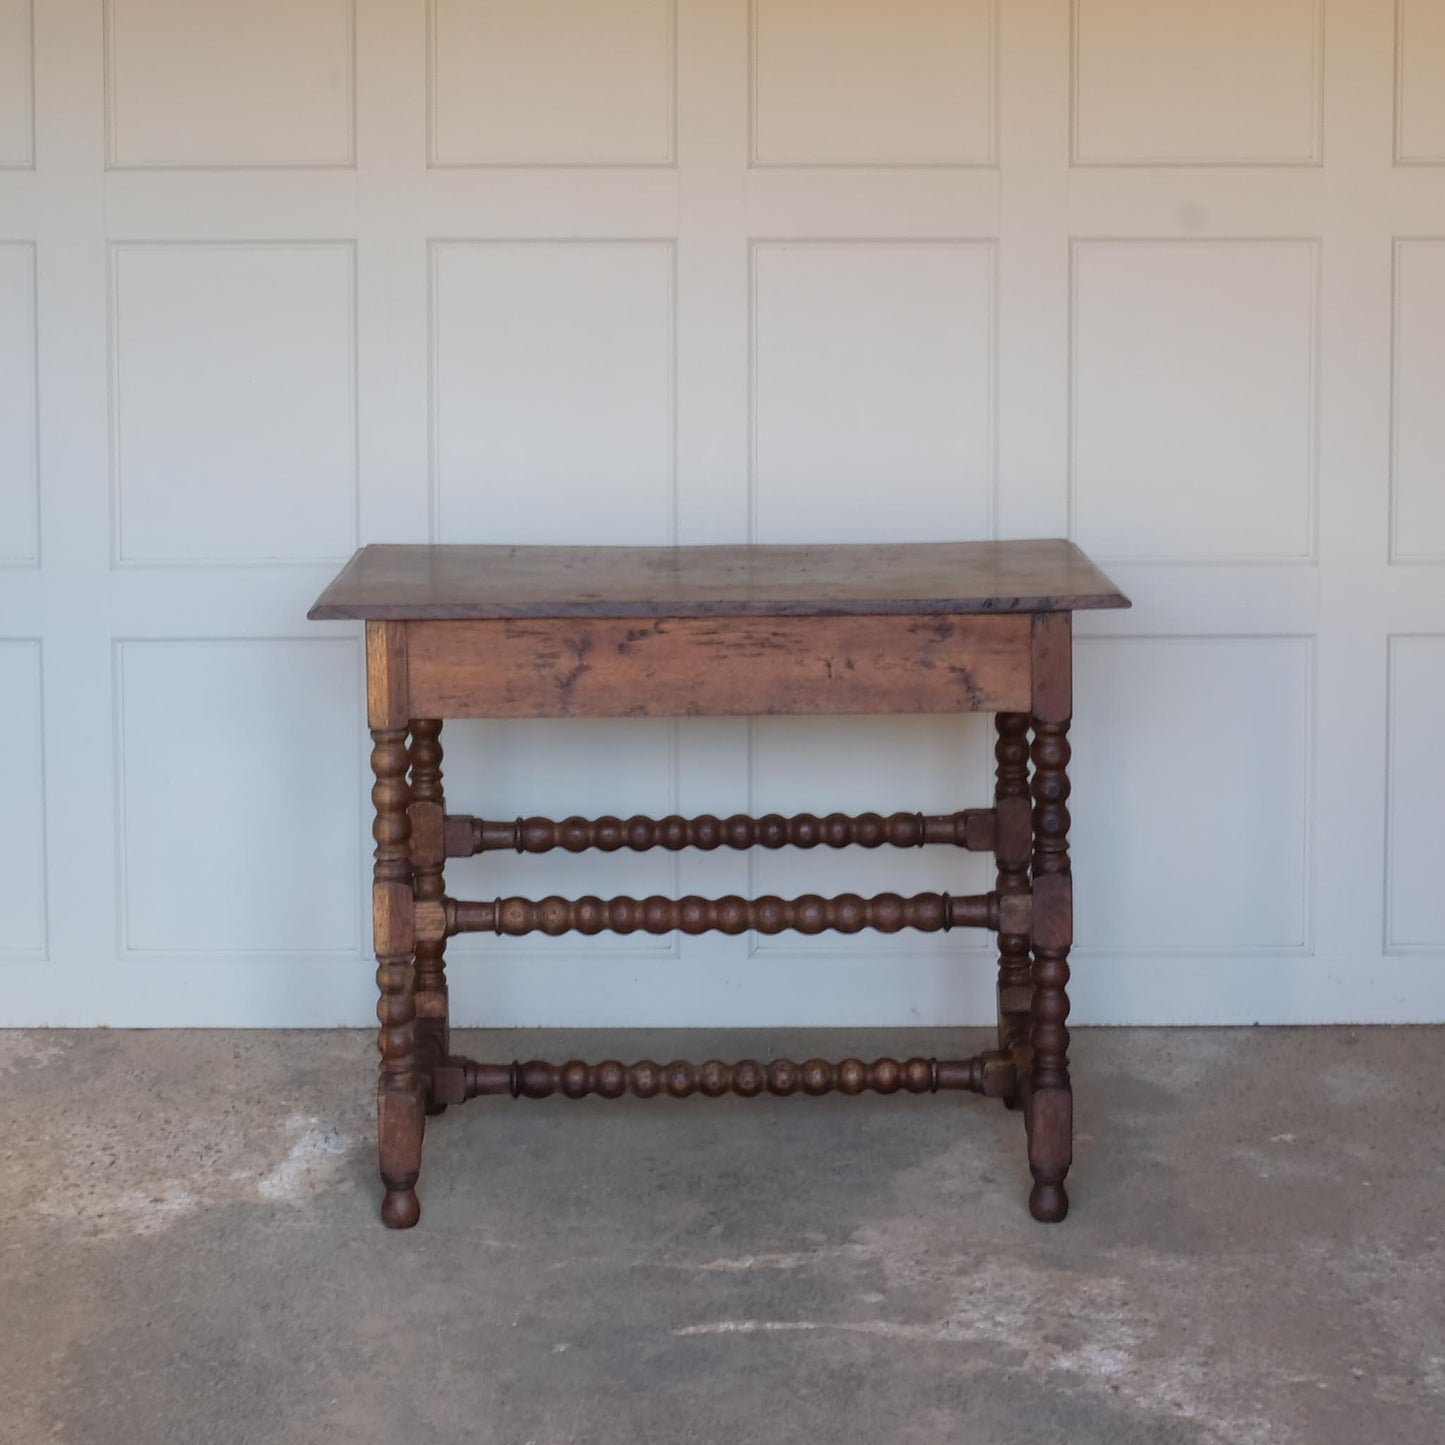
(535,632)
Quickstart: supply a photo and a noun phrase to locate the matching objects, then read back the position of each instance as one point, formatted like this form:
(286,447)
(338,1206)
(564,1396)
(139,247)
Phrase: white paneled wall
(19,459)
(282,276)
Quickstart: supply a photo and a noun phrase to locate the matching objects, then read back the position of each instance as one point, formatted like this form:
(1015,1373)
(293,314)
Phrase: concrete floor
(1255,1254)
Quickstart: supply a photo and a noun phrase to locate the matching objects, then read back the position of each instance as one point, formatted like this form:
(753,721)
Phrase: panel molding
(667,161)
(987,162)
(435,247)
(1393,948)
(1306,947)
(1399,156)
(470,949)
(41,952)
(1314,157)
(359,860)
(1310,556)
(119,562)
(346,161)
(32,561)
(27,161)
(988,243)
(969,944)
(1397,558)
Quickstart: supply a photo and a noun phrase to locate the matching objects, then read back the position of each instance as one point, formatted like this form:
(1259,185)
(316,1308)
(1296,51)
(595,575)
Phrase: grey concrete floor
(191,1250)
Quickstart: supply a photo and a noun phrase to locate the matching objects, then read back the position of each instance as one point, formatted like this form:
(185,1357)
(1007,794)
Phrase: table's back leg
(427,813)
(1013,844)
(399,1095)
(1050,1098)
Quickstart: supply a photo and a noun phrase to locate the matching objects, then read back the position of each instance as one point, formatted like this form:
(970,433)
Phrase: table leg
(1013,845)
(427,814)
(399,1102)
(1050,1117)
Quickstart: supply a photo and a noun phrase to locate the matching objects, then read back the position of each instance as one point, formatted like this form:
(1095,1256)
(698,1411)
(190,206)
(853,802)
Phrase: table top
(452,582)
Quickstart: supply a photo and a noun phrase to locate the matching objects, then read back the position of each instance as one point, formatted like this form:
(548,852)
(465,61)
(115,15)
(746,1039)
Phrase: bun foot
(400,1209)
(432,1110)
(1048,1203)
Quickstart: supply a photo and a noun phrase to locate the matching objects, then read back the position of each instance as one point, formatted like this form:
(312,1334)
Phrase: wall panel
(1193,795)
(17,85)
(851,82)
(22,784)
(232,83)
(552,82)
(872,377)
(1419,93)
(238,770)
(19,396)
(233,373)
(552,391)
(1172,82)
(870,764)
(1418,453)
(1415,900)
(1194,399)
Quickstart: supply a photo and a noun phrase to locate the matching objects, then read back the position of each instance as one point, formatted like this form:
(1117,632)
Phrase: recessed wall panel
(559,768)
(1415,915)
(1174,82)
(1194,389)
(553,391)
(1418,524)
(1191,794)
(872,391)
(240,781)
(22,840)
(234,402)
(1420,82)
(552,82)
(17,94)
(229,82)
(870,764)
(852,82)
(19,461)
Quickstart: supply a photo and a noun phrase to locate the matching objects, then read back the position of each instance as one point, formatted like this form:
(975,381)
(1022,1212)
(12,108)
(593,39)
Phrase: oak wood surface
(972,828)
(399,582)
(666,632)
(460,1079)
(726,667)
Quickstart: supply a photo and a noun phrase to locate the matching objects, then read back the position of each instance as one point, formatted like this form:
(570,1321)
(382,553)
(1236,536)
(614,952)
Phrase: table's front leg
(1050,1103)
(427,813)
(399,1113)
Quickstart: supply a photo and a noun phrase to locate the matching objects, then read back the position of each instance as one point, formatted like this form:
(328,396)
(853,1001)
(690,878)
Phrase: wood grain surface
(458,582)
(727,667)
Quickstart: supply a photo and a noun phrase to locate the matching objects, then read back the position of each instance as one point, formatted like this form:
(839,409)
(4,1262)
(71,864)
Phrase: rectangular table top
(453,582)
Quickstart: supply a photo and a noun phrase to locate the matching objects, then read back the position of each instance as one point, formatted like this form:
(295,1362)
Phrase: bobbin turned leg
(1013,844)
(427,814)
(399,1098)
(1050,1101)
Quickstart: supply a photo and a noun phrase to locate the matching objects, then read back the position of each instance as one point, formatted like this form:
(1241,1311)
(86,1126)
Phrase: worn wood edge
(575,608)
(1052,667)
(321,610)
(388,687)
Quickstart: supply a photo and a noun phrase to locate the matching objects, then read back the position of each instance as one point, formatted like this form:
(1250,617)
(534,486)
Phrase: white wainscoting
(278,277)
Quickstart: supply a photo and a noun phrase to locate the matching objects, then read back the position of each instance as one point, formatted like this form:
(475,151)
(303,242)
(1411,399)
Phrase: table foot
(1048,1202)
(401,1208)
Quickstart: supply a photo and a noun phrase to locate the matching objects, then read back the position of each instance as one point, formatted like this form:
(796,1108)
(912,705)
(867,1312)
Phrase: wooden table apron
(742,655)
